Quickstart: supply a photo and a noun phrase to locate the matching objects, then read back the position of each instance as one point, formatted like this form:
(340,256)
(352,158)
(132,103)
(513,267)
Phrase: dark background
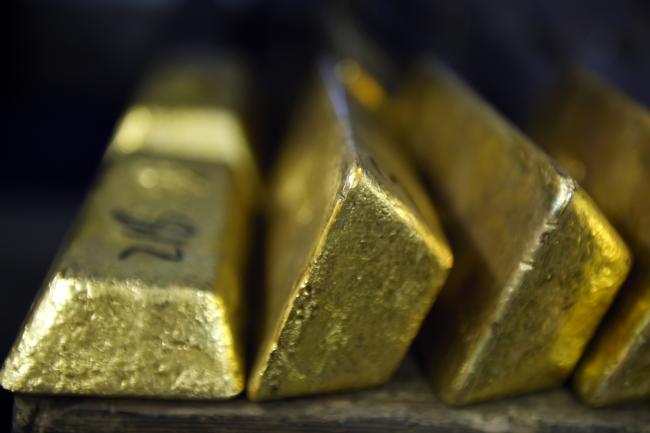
(70,65)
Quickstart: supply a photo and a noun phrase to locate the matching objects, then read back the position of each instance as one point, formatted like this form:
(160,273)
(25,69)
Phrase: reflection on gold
(194,133)
(145,298)
(355,254)
(537,263)
(361,84)
(587,121)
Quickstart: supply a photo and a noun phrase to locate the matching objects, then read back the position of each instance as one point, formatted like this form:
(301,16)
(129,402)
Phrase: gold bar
(538,264)
(356,256)
(603,138)
(145,296)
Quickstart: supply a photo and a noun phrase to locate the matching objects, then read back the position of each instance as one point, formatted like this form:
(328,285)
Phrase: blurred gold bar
(603,138)
(356,255)
(145,297)
(537,266)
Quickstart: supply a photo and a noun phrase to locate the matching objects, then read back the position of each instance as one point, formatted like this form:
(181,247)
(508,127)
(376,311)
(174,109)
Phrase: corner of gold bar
(538,264)
(602,137)
(145,297)
(356,256)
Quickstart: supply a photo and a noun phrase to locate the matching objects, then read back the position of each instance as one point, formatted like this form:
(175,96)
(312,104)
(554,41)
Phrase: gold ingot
(145,296)
(355,254)
(603,138)
(537,263)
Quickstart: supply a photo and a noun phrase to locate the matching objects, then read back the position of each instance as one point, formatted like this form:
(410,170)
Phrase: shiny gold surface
(356,256)
(145,298)
(603,137)
(537,264)
(192,110)
(366,90)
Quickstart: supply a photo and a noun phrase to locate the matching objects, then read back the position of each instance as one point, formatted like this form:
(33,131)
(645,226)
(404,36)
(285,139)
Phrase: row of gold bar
(146,297)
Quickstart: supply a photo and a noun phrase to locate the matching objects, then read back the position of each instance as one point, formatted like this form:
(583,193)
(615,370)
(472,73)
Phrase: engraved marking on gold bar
(604,137)
(538,265)
(356,256)
(145,298)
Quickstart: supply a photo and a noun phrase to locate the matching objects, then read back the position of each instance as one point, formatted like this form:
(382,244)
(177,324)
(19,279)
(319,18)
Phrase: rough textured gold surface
(537,263)
(145,298)
(356,256)
(603,138)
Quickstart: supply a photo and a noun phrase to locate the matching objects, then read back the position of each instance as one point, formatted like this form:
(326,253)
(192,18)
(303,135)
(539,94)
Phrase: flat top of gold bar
(141,300)
(342,205)
(192,110)
(543,264)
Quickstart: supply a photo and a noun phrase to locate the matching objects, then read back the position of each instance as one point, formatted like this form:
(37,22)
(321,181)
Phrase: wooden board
(404,405)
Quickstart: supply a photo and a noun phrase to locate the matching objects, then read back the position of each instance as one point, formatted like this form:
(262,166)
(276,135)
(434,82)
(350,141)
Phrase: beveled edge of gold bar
(358,184)
(582,105)
(570,206)
(623,337)
(605,274)
(94,331)
(69,296)
(18,376)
